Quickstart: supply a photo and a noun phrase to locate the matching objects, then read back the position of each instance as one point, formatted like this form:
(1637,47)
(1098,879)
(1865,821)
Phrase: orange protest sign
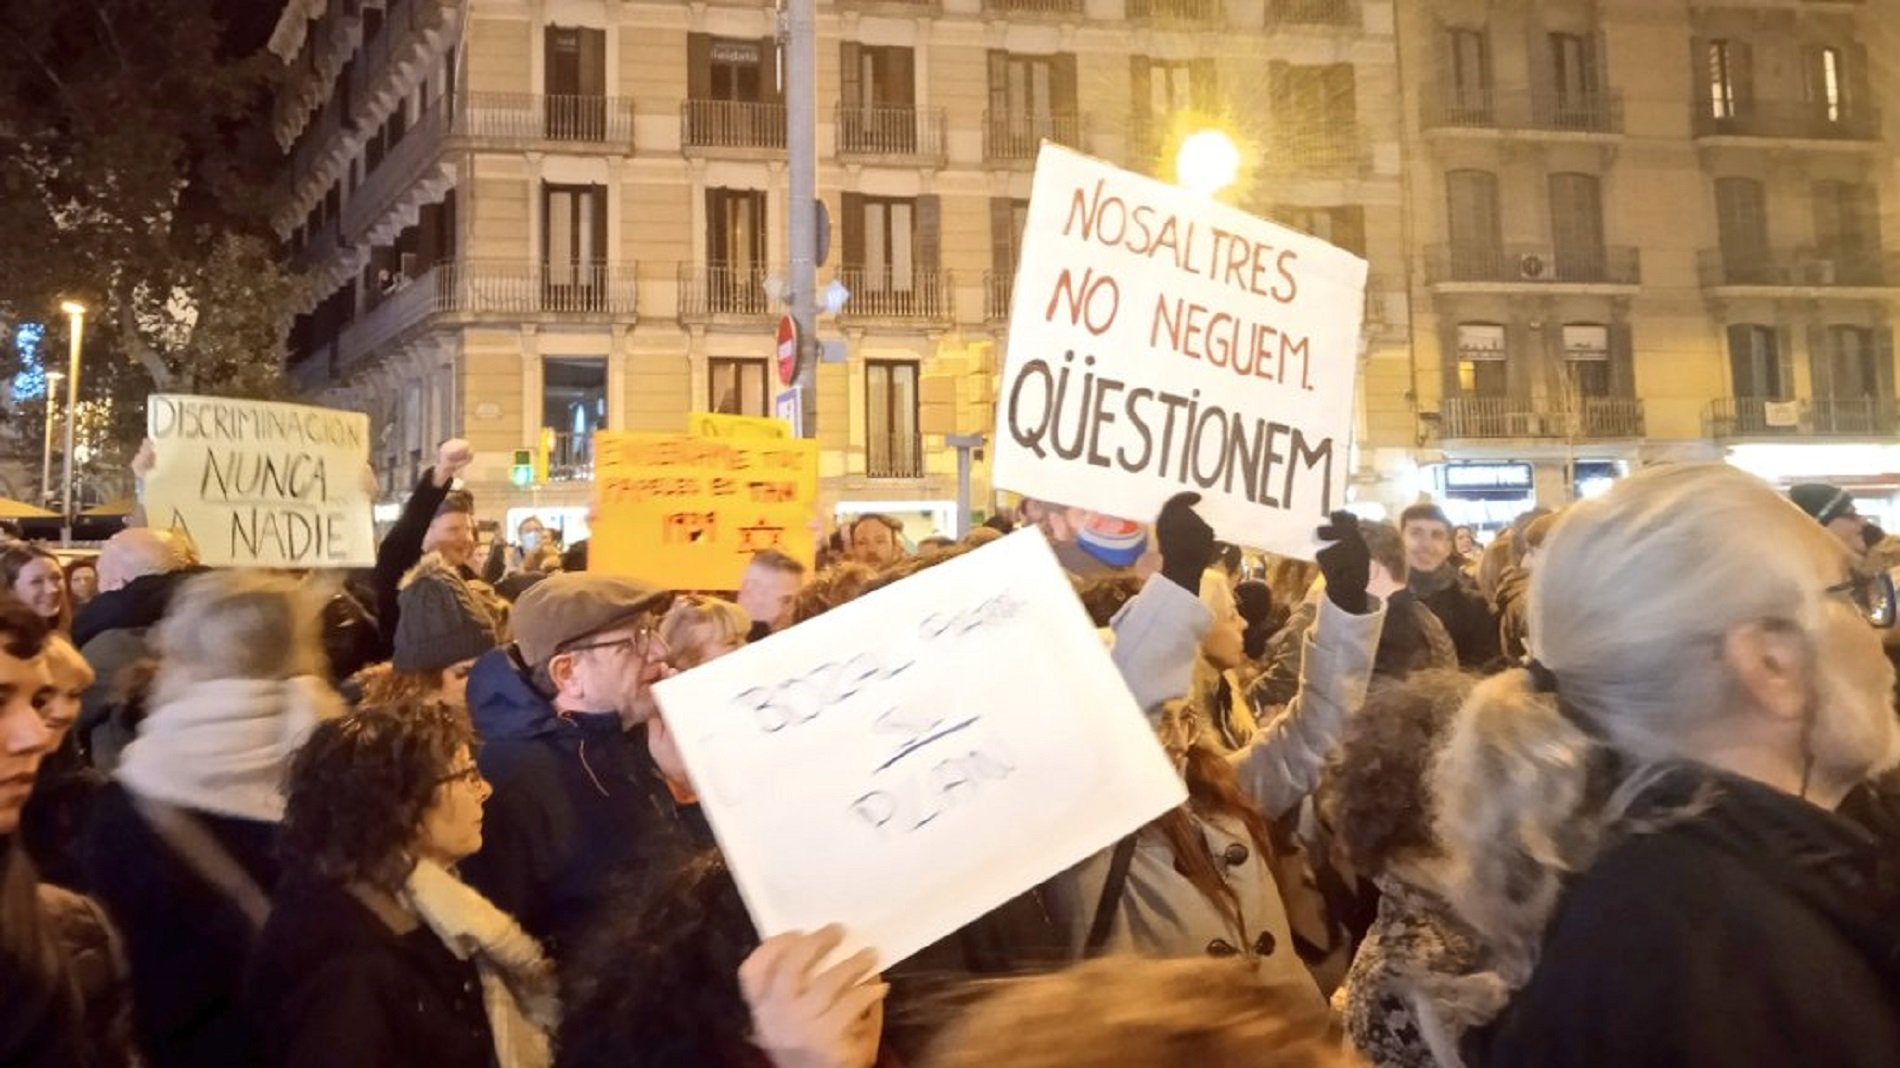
(688,512)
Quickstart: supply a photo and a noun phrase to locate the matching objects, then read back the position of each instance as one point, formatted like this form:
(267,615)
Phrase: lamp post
(1207,162)
(76,319)
(46,458)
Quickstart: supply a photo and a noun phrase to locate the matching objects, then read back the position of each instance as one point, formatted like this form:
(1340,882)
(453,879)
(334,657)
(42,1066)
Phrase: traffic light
(523,472)
(543,448)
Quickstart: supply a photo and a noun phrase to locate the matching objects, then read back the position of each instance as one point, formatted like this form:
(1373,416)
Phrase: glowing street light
(46,458)
(76,319)
(1207,162)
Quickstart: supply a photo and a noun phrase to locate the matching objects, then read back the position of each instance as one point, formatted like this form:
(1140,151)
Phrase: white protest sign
(261,484)
(905,763)
(1161,342)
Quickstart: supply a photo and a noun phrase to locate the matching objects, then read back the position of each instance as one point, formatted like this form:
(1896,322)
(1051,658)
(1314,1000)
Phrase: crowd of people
(1616,789)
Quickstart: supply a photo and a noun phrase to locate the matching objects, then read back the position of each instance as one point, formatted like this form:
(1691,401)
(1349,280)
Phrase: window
(576,62)
(1007,219)
(1468,74)
(573,405)
(1573,67)
(1827,88)
(1742,225)
(1846,234)
(1474,225)
(1342,226)
(885,245)
(1316,110)
(727,81)
(1587,359)
(574,246)
(1576,227)
(1481,360)
(1851,370)
(1730,73)
(892,446)
(1754,354)
(1031,98)
(877,94)
(737,70)
(738,387)
(735,250)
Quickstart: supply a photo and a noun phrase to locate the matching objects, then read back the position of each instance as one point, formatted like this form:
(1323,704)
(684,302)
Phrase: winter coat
(577,799)
(111,633)
(1412,640)
(330,976)
(1743,926)
(78,1013)
(1386,1002)
(1161,913)
(400,551)
(187,941)
(1513,602)
(1464,612)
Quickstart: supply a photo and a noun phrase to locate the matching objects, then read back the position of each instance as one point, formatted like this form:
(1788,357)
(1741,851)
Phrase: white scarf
(223,746)
(518,988)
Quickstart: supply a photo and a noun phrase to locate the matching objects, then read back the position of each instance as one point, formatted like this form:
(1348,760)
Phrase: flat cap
(564,608)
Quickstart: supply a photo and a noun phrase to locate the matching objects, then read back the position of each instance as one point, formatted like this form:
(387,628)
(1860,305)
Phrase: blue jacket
(577,802)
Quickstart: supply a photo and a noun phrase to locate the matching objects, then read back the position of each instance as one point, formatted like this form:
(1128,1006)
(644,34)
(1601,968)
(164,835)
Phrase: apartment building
(570,215)
(1648,230)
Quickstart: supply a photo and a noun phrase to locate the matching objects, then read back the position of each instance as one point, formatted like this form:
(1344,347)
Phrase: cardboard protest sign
(688,512)
(1161,342)
(261,484)
(715,425)
(905,763)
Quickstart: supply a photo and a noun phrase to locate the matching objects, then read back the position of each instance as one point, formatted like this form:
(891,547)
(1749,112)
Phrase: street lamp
(46,458)
(76,320)
(1207,162)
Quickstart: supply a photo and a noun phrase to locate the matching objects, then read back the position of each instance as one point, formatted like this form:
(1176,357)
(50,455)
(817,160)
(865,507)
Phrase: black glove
(1187,542)
(1345,563)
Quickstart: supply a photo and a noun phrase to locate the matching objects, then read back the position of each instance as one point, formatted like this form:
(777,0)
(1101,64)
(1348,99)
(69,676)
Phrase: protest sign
(716,425)
(907,762)
(1161,342)
(261,484)
(688,512)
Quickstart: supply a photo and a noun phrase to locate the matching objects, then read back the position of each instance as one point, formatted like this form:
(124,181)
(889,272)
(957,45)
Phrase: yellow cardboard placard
(714,425)
(687,511)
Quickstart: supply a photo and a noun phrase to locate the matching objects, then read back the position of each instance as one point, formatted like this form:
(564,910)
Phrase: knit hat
(1824,502)
(442,621)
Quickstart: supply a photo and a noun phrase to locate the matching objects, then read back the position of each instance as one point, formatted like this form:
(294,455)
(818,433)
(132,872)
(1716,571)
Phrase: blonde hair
(241,625)
(1628,608)
(62,656)
(1126,1012)
(695,624)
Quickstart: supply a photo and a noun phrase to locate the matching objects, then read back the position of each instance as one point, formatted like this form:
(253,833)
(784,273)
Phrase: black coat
(1764,931)
(400,551)
(186,941)
(1467,618)
(331,983)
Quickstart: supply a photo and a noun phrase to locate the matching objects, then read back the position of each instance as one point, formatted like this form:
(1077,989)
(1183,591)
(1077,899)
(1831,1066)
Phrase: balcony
(520,287)
(718,290)
(1609,417)
(396,312)
(894,456)
(1313,13)
(1787,120)
(922,296)
(1178,12)
(712,127)
(1842,417)
(1532,265)
(1015,135)
(571,459)
(997,288)
(1584,418)
(534,118)
(1053,8)
(1542,111)
(1804,268)
(874,133)
(1329,148)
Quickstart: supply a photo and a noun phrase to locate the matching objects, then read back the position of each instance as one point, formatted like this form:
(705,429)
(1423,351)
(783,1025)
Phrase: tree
(135,171)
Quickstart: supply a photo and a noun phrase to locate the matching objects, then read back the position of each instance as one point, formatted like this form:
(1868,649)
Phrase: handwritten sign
(688,512)
(261,484)
(715,425)
(1161,342)
(906,763)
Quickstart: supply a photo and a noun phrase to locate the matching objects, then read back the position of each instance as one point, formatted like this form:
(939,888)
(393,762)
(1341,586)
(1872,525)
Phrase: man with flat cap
(562,717)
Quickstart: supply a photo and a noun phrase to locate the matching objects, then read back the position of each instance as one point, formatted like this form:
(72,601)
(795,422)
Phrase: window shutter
(903,78)
(1622,361)
(598,194)
(769,92)
(1342,95)
(1141,91)
(1883,368)
(1742,59)
(593,62)
(1820,363)
(1204,84)
(850,81)
(999,83)
(1784,363)
(1448,346)
(852,207)
(698,66)
(1062,84)
(1349,229)
(926,240)
(1521,346)
(1002,237)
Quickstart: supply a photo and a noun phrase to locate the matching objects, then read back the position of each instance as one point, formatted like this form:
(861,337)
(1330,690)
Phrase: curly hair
(657,983)
(1376,793)
(832,587)
(357,791)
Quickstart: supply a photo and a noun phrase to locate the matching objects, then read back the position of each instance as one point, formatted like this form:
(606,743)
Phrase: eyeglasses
(1873,595)
(471,775)
(646,638)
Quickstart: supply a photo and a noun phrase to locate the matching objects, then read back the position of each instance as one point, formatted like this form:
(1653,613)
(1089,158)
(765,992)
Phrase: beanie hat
(1824,502)
(442,621)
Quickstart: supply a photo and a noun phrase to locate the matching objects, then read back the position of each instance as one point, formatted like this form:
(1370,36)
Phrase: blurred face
(1462,540)
(1176,730)
(1224,645)
(84,582)
(531,533)
(1847,530)
(1855,731)
(71,678)
(452,824)
(452,535)
(873,543)
(766,594)
(40,586)
(1427,544)
(26,688)
(454,691)
(612,671)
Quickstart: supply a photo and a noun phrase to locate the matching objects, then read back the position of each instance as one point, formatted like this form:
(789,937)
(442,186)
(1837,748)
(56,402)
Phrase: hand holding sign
(806,1018)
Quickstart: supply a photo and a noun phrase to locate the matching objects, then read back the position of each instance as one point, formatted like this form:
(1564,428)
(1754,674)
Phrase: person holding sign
(1200,880)
(434,519)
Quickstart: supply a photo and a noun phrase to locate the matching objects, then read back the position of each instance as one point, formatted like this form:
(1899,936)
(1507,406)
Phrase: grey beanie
(441,620)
